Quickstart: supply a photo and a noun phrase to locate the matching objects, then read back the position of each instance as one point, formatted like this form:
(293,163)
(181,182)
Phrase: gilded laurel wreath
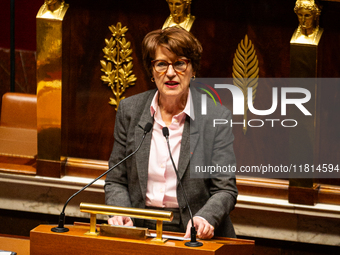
(118,68)
(246,72)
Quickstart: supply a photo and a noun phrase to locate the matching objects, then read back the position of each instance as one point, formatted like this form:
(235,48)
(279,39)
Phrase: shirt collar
(188,109)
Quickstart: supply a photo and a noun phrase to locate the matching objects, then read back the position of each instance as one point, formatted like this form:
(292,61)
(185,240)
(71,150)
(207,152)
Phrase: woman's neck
(170,107)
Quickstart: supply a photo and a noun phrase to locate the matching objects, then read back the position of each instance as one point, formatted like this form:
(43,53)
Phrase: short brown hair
(177,40)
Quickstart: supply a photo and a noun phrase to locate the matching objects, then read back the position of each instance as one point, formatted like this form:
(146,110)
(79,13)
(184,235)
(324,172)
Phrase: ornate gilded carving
(308,32)
(179,14)
(118,67)
(53,9)
(246,72)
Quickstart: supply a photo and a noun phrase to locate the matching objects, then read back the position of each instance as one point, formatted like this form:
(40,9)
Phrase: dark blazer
(202,144)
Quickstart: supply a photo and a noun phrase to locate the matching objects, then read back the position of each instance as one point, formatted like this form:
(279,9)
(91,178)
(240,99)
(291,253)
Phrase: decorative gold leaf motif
(118,67)
(246,72)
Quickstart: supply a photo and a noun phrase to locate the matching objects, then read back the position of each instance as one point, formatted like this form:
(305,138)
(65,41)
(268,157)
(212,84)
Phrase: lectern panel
(45,242)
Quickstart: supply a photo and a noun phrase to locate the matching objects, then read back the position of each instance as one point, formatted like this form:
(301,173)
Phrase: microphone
(193,242)
(61,228)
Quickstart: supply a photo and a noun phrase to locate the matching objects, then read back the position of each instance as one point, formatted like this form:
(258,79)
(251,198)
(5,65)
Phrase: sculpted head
(51,2)
(53,5)
(179,9)
(308,13)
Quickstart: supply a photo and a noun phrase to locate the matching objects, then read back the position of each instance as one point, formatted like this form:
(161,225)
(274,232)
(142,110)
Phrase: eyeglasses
(161,66)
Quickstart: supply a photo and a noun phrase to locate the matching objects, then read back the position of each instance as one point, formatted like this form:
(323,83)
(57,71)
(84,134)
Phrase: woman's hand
(203,228)
(120,220)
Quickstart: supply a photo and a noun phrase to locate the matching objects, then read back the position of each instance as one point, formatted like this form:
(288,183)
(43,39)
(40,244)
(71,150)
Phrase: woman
(171,57)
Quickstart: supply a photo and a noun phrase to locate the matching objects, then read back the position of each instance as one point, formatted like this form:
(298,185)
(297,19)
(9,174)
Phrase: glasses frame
(187,61)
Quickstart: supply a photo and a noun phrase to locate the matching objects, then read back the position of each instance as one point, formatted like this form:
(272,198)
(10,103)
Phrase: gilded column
(49,86)
(303,64)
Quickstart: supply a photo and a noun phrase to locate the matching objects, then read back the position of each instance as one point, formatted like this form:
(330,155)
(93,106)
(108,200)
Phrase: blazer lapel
(189,139)
(142,156)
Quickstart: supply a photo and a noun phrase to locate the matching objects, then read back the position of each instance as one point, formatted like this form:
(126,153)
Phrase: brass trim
(126,211)
(159,231)
(87,163)
(158,215)
(93,228)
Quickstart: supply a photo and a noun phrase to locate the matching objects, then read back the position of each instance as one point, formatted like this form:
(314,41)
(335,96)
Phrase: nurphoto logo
(284,96)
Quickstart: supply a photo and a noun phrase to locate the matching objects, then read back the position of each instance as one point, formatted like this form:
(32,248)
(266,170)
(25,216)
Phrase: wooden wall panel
(88,119)
(25,32)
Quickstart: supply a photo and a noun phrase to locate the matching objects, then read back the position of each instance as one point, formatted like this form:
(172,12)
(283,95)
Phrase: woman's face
(172,84)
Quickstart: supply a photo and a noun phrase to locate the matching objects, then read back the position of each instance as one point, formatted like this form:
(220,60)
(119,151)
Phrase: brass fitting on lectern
(158,215)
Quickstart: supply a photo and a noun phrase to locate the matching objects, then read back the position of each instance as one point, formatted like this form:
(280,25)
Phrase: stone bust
(53,9)
(179,14)
(308,13)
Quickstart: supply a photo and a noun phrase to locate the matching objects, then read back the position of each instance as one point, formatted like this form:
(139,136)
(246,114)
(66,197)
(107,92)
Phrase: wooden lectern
(45,242)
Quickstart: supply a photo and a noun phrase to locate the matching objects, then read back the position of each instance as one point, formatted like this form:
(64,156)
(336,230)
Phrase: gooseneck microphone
(61,228)
(193,242)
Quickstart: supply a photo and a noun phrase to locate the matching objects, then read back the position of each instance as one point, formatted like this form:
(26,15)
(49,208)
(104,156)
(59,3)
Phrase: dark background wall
(25,33)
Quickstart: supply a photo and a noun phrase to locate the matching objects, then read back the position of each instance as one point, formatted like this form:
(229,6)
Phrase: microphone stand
(193,242)
(61,228)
